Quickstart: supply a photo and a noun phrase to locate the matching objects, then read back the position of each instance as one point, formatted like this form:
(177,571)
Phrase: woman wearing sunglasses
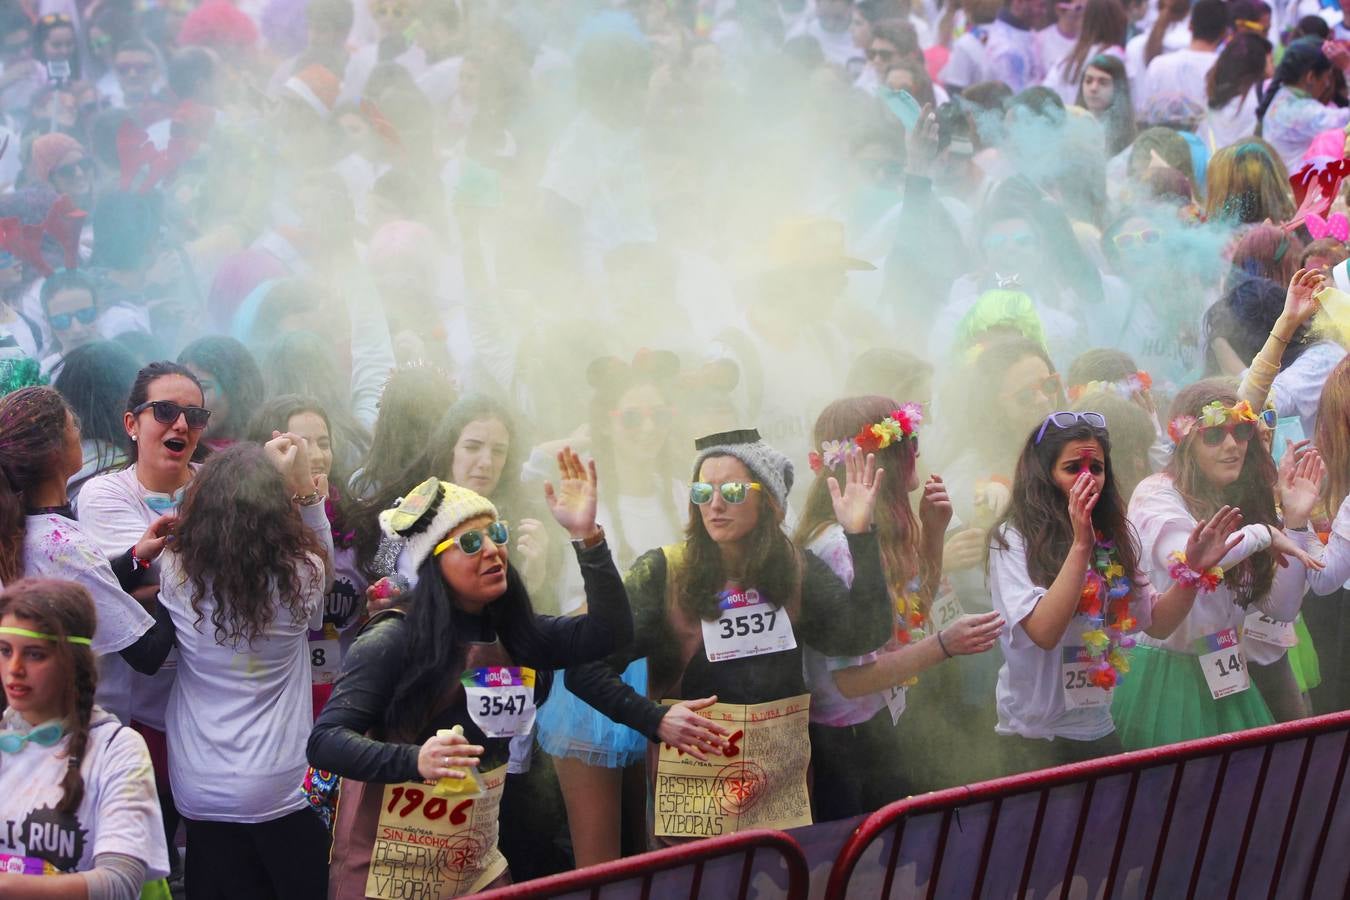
(165,418)
(67,766)
(736,555)
(1065,570)
(1195,682)
(631,420)
(856,702)
(240,709)
(70,303)
(439,685)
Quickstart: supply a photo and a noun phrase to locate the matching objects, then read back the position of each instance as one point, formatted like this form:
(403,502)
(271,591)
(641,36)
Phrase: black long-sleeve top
(834,619)
(340,743)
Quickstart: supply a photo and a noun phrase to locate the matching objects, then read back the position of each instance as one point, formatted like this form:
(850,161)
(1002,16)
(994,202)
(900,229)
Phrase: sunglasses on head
(167,412)
(1127,239)
(471,541)
(1213,435)
(1063,420)
(634,416)
(70,170)
(1049,388)
(63,321)
(734,492)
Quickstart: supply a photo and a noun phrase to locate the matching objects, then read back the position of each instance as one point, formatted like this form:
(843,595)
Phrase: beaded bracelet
(1184,575)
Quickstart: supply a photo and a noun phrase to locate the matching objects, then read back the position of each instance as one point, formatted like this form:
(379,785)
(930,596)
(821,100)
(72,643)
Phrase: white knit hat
(429,512)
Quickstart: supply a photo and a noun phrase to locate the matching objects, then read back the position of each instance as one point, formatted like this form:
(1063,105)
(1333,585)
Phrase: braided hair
(63,609)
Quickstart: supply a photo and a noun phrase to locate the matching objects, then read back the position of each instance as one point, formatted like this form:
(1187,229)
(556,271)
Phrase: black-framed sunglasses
(470,542)
(1213,435)
(167,412)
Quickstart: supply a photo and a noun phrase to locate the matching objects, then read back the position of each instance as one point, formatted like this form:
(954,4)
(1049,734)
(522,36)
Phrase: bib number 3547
(747,626)
(501,699)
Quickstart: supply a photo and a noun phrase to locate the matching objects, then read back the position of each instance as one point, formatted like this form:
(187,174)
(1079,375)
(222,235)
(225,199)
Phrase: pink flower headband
(900,424)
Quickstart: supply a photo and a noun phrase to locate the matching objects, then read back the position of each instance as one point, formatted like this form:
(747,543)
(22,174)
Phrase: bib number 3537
(747,626)
(501,700)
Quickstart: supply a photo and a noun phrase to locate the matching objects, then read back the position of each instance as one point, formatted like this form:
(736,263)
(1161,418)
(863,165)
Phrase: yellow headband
(24,632)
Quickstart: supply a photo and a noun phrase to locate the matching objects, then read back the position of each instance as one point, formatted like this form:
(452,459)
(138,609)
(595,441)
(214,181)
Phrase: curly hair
(1253,492)
(62,608)
(240,540)
(32,433)
(1039,509)
(897,526)
(773,563)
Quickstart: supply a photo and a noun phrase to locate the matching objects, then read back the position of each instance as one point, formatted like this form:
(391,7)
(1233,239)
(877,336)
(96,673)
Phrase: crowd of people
(327,325)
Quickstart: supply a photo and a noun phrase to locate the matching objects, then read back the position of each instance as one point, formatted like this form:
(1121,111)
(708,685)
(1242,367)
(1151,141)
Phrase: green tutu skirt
(1303,658)
(1164,699)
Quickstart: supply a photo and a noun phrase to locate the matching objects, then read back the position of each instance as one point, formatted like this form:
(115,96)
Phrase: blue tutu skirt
(568,726)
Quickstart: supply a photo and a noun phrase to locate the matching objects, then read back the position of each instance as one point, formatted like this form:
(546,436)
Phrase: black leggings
(284,859)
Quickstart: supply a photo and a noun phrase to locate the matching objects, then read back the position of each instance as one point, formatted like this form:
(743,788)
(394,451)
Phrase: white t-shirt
(837,46)
(1297,389)
(969,60)
(1233,122)
(1030,693)
(56,547)
(1164,524)
(1177,37)
(114,510)
(239,717)
(1012,56)
(1052,47)
(119,812)
(1179,72)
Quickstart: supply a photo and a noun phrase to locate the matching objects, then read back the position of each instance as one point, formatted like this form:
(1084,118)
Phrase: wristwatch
(587,543)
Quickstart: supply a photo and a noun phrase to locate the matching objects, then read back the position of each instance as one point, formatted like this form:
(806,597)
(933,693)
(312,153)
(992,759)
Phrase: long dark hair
(414,400)
(1039,510)
(140,389)
(238,375)
(438,459)
(95,379)
(1301,57)
(275,415)
(1171,12)
(1253,492)
(44,27)
(32,434)
(62,609)
(435,652)
(1118,123)
(897,526)
(240,540)
(612,378)
(774,564)
(300,362)
(1105,23)
(1240,66)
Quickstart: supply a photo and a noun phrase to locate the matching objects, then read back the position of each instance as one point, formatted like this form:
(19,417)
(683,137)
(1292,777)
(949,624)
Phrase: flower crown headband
(1131,385)
(1211,414)
(900,424)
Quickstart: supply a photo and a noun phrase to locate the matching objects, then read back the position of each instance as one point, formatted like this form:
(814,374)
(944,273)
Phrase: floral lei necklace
(1106,600)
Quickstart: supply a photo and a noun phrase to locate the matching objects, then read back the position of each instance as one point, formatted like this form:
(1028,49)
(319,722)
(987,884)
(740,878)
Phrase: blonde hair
(1333,434)
(1246,183)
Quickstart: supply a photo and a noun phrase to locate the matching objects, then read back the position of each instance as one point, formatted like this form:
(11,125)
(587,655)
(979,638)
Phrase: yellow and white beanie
(428,513)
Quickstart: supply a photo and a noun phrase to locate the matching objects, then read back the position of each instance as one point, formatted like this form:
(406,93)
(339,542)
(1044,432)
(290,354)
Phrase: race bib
(1268,630)
(1223,663)
(501,700)
(428,846)
(895,702)
(945,610)
(748,626)
(325,656)
(1074,674)
(25,865)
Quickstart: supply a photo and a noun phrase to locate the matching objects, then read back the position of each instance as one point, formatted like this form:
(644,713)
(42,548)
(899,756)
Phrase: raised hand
(573,502)
(935,509)
(1083,498)
(1212,538)
(290,454)
(1300,487)
(853,505)
(1284,548)
(684,729)
(965,550)
(1300,301)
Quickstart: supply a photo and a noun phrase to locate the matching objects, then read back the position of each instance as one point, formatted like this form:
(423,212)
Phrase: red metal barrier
(1257,813)
(671,862)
